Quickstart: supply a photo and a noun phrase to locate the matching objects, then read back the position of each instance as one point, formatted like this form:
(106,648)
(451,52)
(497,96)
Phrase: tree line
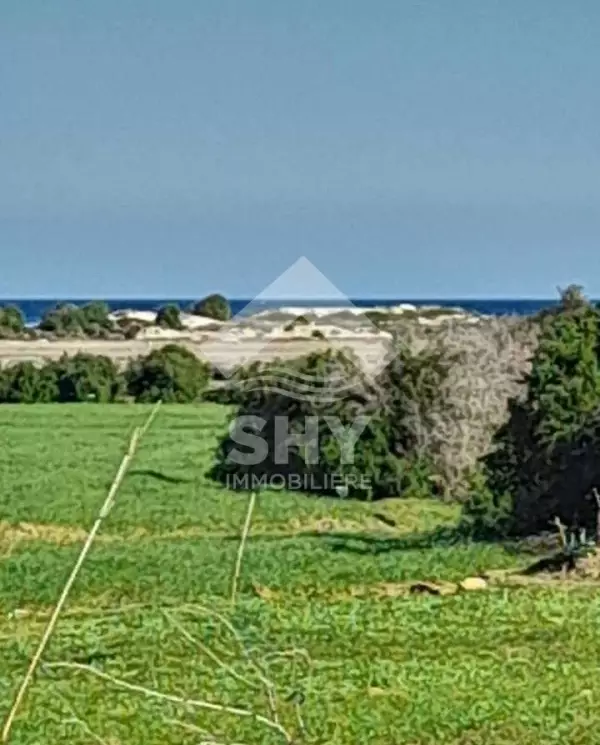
(93,319)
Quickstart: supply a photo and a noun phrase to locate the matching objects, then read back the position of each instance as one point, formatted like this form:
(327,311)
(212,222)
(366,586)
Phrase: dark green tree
(169,316)
(87,377)
(329,387)
(532,464)
(65,319)
(171,373)
(12,321)
(25,383)
(213,306)
(96,315)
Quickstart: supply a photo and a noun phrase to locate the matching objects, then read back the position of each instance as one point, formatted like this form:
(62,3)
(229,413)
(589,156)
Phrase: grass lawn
(497,667)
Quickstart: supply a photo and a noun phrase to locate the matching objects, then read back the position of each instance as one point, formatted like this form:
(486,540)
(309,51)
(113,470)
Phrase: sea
(34,309)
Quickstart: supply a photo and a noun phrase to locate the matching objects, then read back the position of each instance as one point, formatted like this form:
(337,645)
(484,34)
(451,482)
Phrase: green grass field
(497,667)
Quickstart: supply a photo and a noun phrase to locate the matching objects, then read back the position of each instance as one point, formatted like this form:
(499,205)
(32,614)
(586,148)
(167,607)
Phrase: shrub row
(327,387)
(93,319)
(171,373)
(506,420)
(71,320)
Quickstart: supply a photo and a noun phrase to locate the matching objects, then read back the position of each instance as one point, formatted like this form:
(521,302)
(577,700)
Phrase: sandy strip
(222,353)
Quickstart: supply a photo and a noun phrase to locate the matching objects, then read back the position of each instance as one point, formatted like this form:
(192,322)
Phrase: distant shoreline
(33,309)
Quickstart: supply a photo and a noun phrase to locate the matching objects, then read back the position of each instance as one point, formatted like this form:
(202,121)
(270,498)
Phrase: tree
(169,316)
(64,319)
(27,384)
(87,377)
(329,389)
(96,314)
(213,306)
(542,459)
(572,298)
(172,373)
(12,321)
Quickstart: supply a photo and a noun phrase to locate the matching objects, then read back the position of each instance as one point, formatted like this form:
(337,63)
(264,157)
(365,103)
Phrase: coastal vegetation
(90,320)
(500,417)
(12,322)
(169,316)
(426,604)
(94,320)
(511,430)
(171,374)
(213,306)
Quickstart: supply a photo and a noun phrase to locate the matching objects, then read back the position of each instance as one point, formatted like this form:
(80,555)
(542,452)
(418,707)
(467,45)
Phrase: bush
(543,461)
(97,312)
(330,388)
(172,373)
(66,319)
(95,319)
(25,383)
(213,306)
(86,377)
(169,317)
(485,515)
(83,377)
(233,389)
(486,366)
(12,321)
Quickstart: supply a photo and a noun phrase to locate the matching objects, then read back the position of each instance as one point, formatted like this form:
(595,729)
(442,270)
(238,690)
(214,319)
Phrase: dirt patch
(335,525)
(11,535)
(378,591)
(294,527)
(494,579)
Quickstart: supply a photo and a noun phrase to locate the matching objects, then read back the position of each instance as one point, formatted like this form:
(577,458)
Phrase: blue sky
(408,149)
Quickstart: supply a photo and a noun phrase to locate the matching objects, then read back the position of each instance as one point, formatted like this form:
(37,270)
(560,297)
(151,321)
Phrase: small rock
(473,583)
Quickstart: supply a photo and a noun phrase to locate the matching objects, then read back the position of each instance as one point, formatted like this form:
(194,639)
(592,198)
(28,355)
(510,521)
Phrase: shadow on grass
(361,544)
(364,543)
(149,473)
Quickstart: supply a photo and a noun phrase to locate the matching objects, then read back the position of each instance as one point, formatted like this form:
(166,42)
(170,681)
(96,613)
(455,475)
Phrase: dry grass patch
(378,591)
(11,535)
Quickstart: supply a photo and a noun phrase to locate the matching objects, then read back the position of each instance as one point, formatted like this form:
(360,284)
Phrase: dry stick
(104,511)
(268,684)
(208,652)
(148,423)
(561,532)
(240,554)
(171,698)
(259,669)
